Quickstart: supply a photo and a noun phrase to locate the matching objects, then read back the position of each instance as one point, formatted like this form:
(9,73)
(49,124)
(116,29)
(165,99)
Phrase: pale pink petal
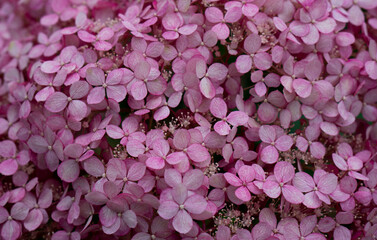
(329,128)
(292,194)
(302,87)
(284,143)
(272,189)
(237,118)
(182,222)
(155,163)
(269,154)
(207,88)
(195,204)
(69,170)
(96,95)
(222,128)
(243,193)
(267,133)
(50,67)
(303,182)
(284,172)
(339,162)
(197,153)
(232,179)
(243,63)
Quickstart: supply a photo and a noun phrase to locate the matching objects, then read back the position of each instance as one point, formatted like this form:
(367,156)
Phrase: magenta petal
(182,222)
(69,170)
(269,154)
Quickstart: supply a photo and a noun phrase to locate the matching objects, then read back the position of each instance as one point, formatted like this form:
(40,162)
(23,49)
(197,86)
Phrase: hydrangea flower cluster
(188,119)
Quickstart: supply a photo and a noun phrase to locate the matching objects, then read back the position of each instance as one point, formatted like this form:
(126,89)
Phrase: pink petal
(303,182)
(96,95)
(302,87)
(50,67)
(222,128)
(284,172)
(197,153)
(69,170)
(269,154)
(182,222)
(312,37)
(284,143)
(95,76)
(86,37)
(243,193)
(176,157)
(344,39)
(214,15)
(311,200)
(207,88)
(272,189)
(339,162)
(195,204)
(56,102)
(232,179)
(193,179)
(243,63)
(155,163)
(11,230)
(8,167)
(326,26)
(267,133)
(262,61)
(237,118)
(292,194)
(218,108)
(139,90)
(168,209)
(329,128)
(37,144)
(33,220)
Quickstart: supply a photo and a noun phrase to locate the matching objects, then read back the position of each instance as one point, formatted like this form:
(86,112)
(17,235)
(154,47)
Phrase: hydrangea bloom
(179,119)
